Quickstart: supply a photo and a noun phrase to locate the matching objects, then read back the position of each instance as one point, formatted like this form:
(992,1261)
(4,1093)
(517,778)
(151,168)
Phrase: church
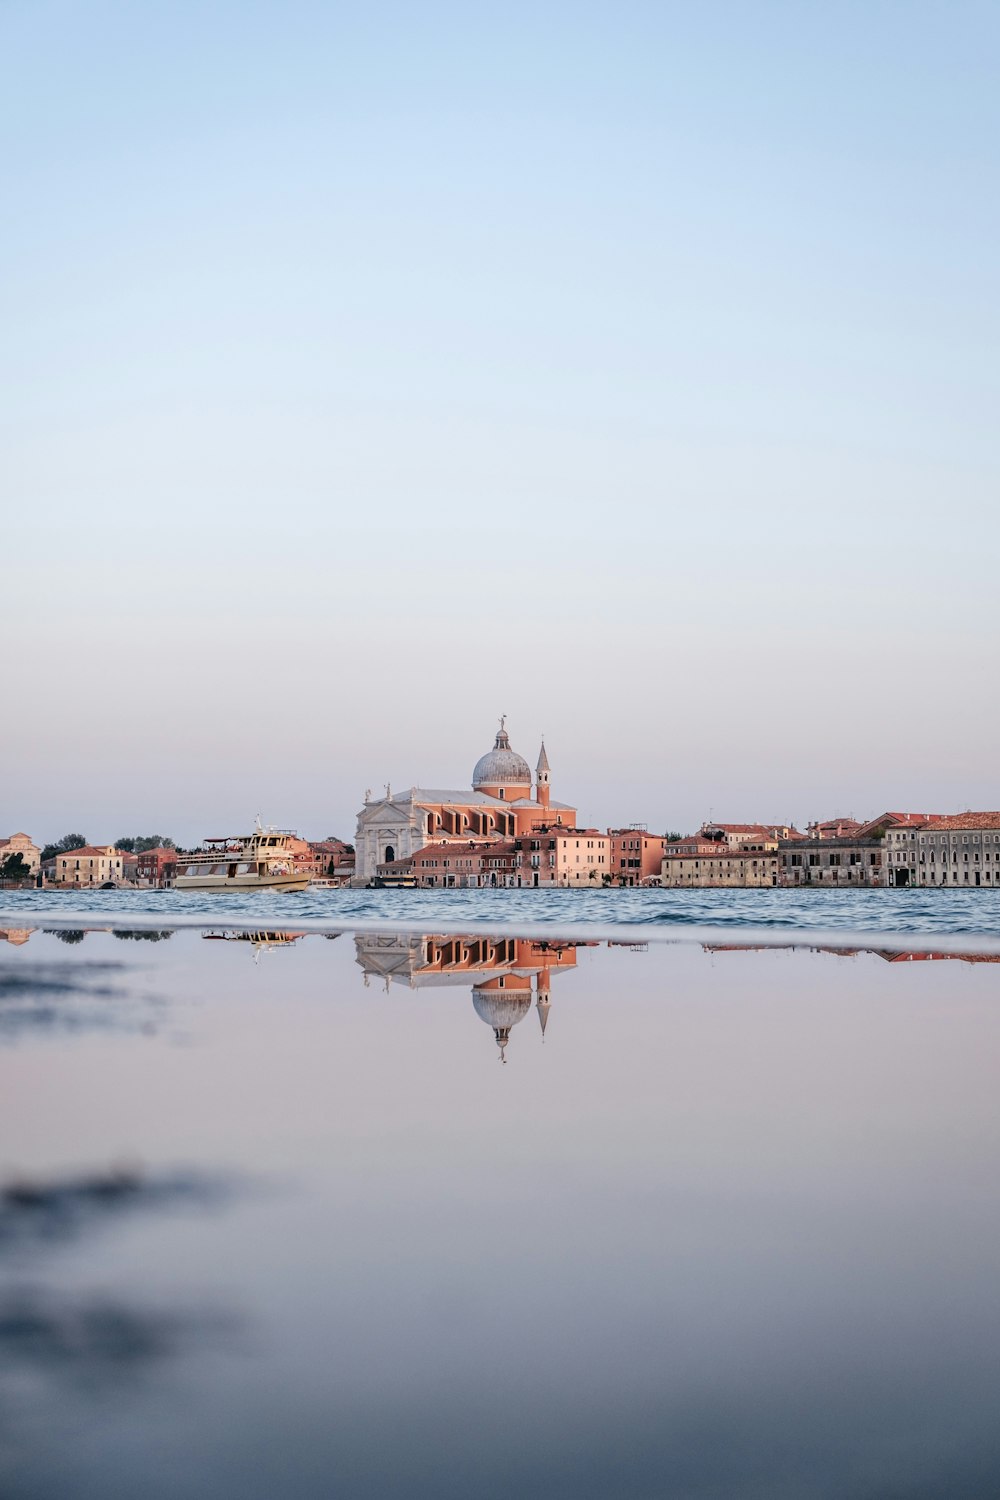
(500,806)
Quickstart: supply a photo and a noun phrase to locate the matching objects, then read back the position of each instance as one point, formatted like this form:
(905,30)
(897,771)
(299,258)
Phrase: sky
(367,372)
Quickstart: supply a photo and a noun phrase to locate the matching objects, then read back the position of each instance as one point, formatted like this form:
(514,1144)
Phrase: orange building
(332,859)
(635,856)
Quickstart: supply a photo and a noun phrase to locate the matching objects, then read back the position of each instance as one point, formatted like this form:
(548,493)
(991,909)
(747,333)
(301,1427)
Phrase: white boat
(261,860)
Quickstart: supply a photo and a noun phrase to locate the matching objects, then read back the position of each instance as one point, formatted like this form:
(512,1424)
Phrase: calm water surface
(341,1216)
(918,911)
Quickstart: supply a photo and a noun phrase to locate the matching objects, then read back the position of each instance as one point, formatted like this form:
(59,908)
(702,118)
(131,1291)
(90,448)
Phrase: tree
(139,843)
(15,867)
(673,836)
(67,842)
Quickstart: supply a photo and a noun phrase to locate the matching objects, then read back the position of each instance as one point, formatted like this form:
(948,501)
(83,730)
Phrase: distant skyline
(368,373)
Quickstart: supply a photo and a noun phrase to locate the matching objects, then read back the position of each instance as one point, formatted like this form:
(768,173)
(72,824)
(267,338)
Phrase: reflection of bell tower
(542,983)
(542,778)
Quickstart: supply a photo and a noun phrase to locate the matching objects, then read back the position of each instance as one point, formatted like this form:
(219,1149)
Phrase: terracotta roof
(896,820)
(966,820)
(89,851)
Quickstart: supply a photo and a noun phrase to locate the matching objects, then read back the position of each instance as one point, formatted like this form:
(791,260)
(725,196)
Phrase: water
(279,1221)
(917,911)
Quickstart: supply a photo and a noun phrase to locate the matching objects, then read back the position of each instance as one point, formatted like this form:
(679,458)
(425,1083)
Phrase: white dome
(501,766)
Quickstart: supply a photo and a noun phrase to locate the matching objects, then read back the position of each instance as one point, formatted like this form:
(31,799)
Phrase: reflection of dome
(502,1009)
(501,766)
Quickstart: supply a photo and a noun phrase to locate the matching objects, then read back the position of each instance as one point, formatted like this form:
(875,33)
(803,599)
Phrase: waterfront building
(688,863)
(829,860)
(962,849)
(444,863)
(499,807)
(19,843)
(860,855)
(635,856)
(550,854)
(155,868)
(553,855)
(332,859)
(94,864)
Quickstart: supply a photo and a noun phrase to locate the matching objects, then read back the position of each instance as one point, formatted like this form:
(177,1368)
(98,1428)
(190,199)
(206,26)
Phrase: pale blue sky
(370,371)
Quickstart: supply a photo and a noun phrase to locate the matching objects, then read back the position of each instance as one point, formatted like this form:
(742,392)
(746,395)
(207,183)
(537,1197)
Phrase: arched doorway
(389,856)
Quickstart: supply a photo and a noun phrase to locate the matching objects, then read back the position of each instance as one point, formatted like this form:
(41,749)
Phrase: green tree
(673,837)
(15,867)
(67,842)
(140,842)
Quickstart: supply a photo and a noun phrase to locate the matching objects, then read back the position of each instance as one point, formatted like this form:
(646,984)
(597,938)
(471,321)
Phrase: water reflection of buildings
(507,974)
(889,955)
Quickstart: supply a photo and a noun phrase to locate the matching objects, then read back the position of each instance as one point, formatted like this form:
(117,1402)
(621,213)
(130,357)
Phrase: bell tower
(542,778)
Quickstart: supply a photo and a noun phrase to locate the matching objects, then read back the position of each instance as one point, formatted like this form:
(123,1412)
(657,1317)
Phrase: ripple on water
(916,911)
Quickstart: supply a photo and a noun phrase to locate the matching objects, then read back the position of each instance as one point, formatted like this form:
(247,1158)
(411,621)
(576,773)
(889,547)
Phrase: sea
(919,911)
(572,1195)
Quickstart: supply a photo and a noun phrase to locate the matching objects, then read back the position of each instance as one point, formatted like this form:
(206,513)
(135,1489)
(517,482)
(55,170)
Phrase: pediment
(384,812)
